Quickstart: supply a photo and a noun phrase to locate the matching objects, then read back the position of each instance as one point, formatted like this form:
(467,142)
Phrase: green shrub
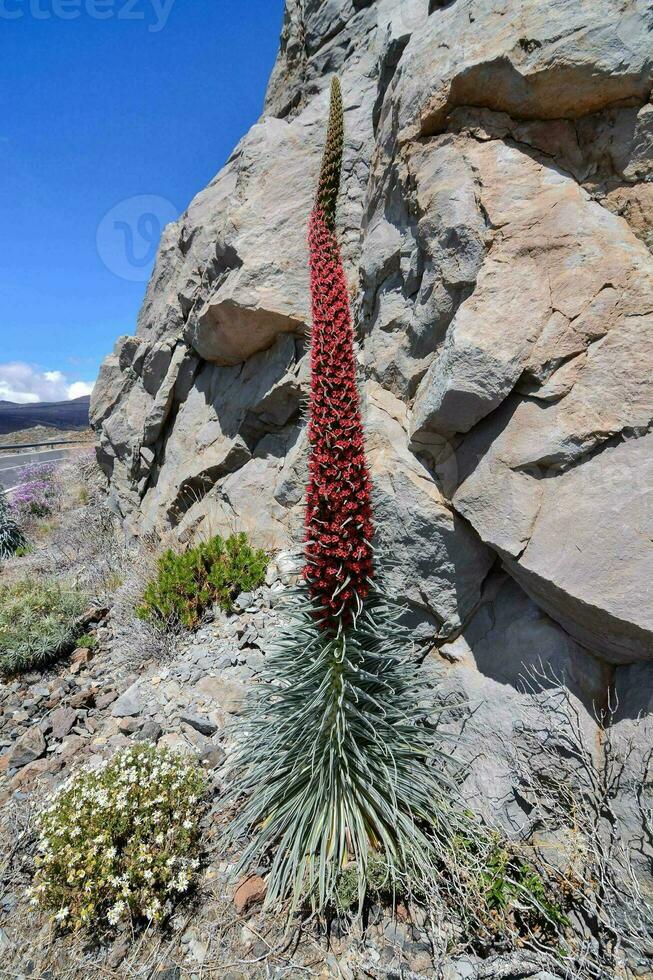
(12,539)
(121,842)
(38,622)
(215,571)
(86,642)
(508,882)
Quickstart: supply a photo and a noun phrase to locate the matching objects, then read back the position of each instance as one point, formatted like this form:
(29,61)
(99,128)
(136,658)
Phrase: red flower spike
(339,510)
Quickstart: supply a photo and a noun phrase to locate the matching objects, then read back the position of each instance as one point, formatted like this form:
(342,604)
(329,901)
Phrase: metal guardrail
(47,445)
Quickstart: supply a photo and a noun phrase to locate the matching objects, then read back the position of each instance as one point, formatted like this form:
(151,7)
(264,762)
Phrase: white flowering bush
(121,842)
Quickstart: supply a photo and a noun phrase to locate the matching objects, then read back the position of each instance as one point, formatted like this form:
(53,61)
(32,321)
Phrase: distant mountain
(72,414)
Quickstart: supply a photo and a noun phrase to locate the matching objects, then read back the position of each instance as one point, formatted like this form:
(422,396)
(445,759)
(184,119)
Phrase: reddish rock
(250,891)
(104,700)
(84,699)
(129,725)
(62,721)
(28,748)
(81,656)
(71,746)
(27,777)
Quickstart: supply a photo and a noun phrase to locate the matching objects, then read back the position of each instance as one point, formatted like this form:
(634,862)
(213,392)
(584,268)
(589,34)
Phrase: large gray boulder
(441,564)
(556,59)
(558,320)
(500,672)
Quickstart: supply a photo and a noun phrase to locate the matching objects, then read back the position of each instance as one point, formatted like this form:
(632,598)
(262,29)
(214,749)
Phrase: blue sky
(115,113)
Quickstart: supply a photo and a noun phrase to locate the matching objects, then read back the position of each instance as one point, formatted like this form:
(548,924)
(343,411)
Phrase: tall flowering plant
(334,764)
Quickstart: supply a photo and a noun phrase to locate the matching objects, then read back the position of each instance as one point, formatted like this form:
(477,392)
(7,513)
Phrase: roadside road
(12,464)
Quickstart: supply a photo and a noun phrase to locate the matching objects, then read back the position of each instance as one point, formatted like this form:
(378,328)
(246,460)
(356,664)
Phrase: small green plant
(121,842)
(12,539)
(24,550)
(38,623)
(379,883)
(87,642)
(113,582)
(508,888)
(214,571)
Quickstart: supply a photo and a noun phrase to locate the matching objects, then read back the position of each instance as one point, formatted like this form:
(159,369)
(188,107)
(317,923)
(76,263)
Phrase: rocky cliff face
(496,223)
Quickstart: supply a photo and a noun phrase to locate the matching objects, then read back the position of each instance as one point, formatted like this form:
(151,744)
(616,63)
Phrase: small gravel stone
(150,732)
(128,704)
(40,691)
(129,725)
(243,601)
(203,725)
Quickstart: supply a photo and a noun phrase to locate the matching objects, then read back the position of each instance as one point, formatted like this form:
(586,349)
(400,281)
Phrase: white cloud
(79,388)
(26,384)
